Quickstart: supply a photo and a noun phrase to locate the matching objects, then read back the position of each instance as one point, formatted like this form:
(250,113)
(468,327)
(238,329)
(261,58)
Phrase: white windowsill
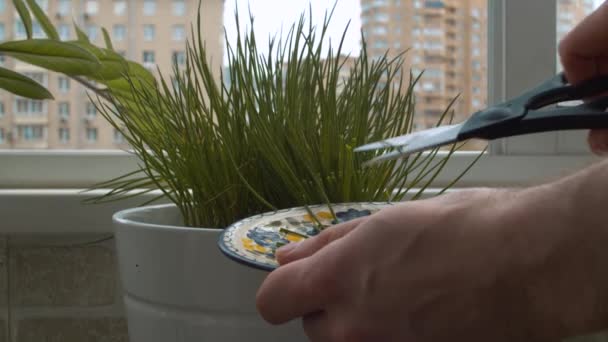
(38,196)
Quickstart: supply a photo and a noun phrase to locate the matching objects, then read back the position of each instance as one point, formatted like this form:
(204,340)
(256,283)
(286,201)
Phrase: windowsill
(38,196)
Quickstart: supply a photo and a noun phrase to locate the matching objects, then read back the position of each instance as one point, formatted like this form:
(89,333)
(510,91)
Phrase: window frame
(507,163)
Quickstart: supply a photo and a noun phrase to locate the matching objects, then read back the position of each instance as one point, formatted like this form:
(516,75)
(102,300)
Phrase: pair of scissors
(533,111)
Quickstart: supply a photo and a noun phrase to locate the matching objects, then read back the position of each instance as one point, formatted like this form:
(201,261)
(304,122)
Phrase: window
(149,32)
(31,132)
(91,31)
(63,109)
(64,7)
(91,7)
(63,83)
(179,33)
(149,7)
(119,32)
(149,57)
(20,32)
(2,32)
(39,77)
(64,31)
(64,135)
(118,137)
(27,107)
(1,109)
(1,135)
(2,6)
(382,17)
(179,7)
(380,30)
(179,58)
(2,59)
(91,135)
(44,4)
(91,110)
(120,7)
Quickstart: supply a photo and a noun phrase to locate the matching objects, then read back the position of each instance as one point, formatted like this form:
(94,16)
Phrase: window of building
(179,7)
(43,4)
(119,32)
(92,31)
(2,135)
(149,57)
(64,31)
(63,109)
(382,17)
(31,132)
(120,7)
(91,110)
(40,77)
(179,58)
(380,30)
(118,137)
(179,33)
(91,7)
(2,6)
(64,7)
(27,107)
(64,135)
(2,59)
(91,134)
(149,7)
(1,109)
(2,32)
(63,83)
(149,32)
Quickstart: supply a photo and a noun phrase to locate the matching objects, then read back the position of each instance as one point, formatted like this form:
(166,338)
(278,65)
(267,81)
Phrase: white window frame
(522,35)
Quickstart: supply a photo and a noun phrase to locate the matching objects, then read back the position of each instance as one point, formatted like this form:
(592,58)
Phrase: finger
(308,247)
(580,51)
(299,288)
(598,141)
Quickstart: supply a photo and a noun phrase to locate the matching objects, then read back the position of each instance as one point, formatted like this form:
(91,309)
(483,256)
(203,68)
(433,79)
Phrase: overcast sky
(273,15)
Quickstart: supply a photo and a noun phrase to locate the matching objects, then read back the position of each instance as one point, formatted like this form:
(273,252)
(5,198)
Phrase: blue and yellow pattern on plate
(254,240)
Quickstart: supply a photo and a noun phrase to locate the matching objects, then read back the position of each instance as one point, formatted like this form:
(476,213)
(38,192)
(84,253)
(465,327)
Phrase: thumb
(308,247)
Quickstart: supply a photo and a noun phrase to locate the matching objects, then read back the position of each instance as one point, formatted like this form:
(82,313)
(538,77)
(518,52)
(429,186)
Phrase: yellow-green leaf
(53,55)
(138,76)
(113,65)
(23,86)
(81,35)
(26,18)
(44,21)
(106,37)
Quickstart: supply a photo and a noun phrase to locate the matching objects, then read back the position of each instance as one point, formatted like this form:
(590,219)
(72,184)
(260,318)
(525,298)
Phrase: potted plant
(277,131)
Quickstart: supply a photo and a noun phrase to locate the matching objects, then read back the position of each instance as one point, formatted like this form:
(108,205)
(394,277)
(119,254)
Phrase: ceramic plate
(253,241)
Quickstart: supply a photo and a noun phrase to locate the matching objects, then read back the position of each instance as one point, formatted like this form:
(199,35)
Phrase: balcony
(20,119)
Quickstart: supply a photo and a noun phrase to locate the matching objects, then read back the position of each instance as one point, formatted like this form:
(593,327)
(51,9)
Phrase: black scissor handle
(527,113)
(557,90)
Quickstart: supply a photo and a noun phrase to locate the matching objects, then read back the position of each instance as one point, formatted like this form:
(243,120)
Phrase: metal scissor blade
(406,139)
(422,141)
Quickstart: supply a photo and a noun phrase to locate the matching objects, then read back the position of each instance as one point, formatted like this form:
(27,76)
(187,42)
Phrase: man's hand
(584,54)
(479,265)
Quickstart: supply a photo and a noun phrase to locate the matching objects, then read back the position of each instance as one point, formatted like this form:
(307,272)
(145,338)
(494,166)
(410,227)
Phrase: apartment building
(151,32)
(447,41)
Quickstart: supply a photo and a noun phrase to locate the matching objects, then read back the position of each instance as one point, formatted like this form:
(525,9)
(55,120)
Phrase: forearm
(563,226)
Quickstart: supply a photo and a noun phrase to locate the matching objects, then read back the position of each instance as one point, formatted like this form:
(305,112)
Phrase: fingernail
(288,248)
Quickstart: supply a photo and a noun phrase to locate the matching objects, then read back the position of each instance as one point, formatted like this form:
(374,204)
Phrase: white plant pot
(179,287)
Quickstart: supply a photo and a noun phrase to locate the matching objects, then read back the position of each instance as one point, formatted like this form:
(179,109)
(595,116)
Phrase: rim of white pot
(122,217)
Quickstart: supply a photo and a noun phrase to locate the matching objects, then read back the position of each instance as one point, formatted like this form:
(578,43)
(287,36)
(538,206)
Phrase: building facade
(151,32)
(446,40)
